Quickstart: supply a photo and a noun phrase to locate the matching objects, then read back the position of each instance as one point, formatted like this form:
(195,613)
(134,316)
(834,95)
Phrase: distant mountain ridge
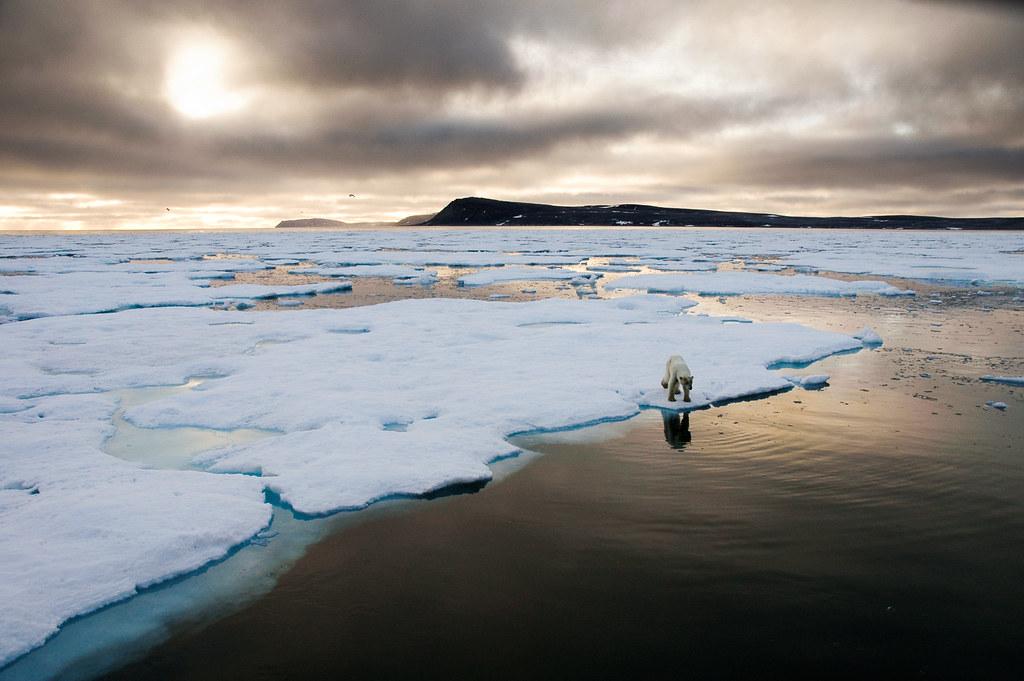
(309,222)
(480,212)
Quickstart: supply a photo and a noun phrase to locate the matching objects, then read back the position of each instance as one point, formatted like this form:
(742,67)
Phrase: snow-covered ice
(813,382)
(678,266)
(89,292)
(389,271)
(83,273)
(613,268)
(80,529)
(1001,406)
(738,283)
(503,274)
(326,399)
(868,336)
(325,388)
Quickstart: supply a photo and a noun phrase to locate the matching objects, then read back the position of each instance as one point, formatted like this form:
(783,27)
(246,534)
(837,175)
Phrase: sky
(240,113)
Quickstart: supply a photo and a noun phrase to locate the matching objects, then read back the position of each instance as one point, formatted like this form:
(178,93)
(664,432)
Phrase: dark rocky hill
(474,211)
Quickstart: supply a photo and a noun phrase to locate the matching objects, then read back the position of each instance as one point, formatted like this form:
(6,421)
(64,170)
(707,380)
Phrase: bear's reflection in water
(677,429)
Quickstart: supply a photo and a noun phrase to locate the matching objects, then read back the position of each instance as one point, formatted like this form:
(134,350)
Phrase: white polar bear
(677,375)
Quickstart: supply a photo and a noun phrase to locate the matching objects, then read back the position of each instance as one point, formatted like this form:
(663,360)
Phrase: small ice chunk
(1001,406)
(868,336)
(814,382)
(1008,380)
(584,279)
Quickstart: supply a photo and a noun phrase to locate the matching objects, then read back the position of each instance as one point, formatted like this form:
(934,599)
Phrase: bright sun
(195,84)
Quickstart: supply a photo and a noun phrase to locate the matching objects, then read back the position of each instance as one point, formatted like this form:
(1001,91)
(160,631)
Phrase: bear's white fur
(677,375)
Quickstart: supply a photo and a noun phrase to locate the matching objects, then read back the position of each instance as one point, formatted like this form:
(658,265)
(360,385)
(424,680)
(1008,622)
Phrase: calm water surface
(871,529)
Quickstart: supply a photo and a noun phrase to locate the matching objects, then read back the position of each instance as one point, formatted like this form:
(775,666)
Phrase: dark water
(874,529)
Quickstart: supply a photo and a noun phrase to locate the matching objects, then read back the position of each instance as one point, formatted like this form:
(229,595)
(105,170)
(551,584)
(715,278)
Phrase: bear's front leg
(673,388)
(686,393)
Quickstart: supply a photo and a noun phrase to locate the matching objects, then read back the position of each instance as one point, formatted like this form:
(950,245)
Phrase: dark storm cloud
(925,95)
(880,163)
(64,67)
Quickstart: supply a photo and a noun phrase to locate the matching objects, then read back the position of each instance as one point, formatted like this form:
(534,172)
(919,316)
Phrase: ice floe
(1008,380)
(389,271)
(80,528)
(868,336)
(502,274)
(813,382)
(88,292)
(738,283)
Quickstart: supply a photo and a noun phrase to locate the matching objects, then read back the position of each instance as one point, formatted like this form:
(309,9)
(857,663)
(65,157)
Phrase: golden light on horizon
(196,83)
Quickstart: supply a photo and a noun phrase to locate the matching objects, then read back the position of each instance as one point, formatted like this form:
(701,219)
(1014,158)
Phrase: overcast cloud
(797,107)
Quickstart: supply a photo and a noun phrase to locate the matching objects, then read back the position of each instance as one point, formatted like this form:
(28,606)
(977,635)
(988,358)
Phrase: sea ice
(815,382)
(87,529)
(80,528)
(89,292)
(679,266)
(1008,380)
(868,336)
(738,283)
(389,271)
(502,274)
(98,528)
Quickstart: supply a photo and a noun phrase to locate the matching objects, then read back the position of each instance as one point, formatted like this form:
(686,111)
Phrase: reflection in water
(677,429)
(868,531)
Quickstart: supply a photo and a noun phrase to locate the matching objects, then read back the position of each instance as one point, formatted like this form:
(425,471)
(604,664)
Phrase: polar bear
(677,375)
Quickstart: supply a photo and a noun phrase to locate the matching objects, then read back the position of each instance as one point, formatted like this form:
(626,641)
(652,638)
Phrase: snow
(97,528)
(497,276)
(952,257)
(88,292)
(1008,380)
(738,283)
(868,336)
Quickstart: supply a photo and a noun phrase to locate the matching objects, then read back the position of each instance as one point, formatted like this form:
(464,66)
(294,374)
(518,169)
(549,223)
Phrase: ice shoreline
(453,443)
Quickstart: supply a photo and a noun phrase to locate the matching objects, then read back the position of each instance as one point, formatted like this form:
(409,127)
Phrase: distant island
(310,222)
(481,212)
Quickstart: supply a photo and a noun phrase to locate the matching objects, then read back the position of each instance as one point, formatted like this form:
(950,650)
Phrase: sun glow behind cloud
(197,79)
